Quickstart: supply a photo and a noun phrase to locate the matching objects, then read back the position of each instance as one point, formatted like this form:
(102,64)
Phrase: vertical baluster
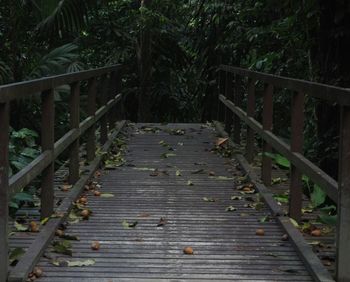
(104,90)
(221,109)
(296,183)
(74,104)
(267,125)
(250,113)
(112,93)
(4,190)
(91,109)
(47,144)
(229,95)
(120,111)
(343,224)
(236,121)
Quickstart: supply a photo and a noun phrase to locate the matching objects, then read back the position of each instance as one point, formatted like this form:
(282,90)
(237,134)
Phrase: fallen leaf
(294,222)
(223,178)
(316,233)
(128,225)
(220,141)
(106,195)
(236,198)
(167,155)
(205,199)
(38,272)
(188,251)
(62,247)
(69,263)
(178,173)
(69,237)
(198,171)
(190,183)
(162,222)
(230,209)
(144,168)
(20,227)
(15,255)
(266,218)
(33,226)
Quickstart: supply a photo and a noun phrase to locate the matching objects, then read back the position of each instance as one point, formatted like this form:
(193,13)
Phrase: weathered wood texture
(225,244)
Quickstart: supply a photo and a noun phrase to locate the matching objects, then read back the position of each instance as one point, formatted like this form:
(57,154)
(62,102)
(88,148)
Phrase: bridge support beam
(343,223)
(4,190)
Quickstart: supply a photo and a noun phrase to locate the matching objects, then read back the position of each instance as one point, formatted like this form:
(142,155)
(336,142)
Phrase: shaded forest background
(185,41)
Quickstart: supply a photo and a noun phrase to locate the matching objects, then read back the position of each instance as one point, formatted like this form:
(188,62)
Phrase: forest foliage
(189,39)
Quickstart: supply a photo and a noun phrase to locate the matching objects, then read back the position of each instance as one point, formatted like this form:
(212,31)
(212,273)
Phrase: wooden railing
(233,115)
(43,166)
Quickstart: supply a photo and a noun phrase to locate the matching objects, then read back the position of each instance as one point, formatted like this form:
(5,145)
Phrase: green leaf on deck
(144,168)
(230,209)
(178,173)
(106,195)
(205,199)
(76,263)
(328,219)
(15,255)
(266,218)
(293,221)
(282,198)
(20,227)
(167,155)
(127,225)
(70,237)
(221,177)
(190,183)
(62,247)
(318,196)
(22,196)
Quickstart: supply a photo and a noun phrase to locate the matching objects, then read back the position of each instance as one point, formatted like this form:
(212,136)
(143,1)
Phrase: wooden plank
(4,190)
(91,138)
(74,118)
(343,208)
(318,90)
(27,88)
(250,113)
(225,244)
(267,126)
(47,144)
(20,272)
(315,173)
(296,183)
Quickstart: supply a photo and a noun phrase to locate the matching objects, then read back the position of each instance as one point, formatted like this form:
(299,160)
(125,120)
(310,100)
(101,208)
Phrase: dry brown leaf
(260,232)
(316,233)
(95,245)
(220,141)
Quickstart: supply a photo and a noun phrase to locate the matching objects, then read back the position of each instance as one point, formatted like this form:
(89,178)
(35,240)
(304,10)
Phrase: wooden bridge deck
(225,244)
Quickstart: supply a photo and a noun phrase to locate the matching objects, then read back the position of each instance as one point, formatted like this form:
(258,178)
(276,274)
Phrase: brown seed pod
(260,232)
(33,226)
(97,193)
(85,214)
(83,200)
(38,272)
(95,245)
(59,233)
(188,251)
(316,233)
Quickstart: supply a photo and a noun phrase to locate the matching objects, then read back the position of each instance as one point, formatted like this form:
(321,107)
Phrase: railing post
(237,99)
(4,190)
(267,125)
(104,91)
(229,96)
(47,144)
(91,109)
(120,111)
(343,223)
(297,140)
(112,92)
(250,113)
(74,104)
(221,106)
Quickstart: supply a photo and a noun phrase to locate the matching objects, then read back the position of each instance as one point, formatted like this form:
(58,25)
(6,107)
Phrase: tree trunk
(145,69)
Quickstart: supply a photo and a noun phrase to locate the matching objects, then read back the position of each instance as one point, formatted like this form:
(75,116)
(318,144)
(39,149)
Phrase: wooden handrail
(339,191)
(43,165)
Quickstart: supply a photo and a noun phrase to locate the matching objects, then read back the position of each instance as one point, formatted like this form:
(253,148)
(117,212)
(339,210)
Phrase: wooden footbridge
(169,202)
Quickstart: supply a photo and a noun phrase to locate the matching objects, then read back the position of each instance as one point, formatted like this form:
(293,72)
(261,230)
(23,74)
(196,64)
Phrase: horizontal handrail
(322,91)
(230,110)
(24,89)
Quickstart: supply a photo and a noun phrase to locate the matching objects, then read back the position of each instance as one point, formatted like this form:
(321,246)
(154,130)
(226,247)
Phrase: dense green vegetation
(173,49)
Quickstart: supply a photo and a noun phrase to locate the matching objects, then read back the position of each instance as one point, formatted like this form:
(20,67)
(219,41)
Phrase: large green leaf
(318,196)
